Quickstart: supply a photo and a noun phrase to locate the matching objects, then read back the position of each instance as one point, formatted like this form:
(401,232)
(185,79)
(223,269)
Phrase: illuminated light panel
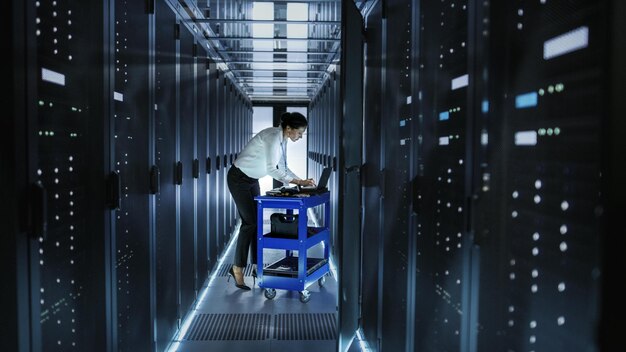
(118,96)
(444,116)
(484,138)
(526,138)
(527,100)
(52,76)
(460,82)
(444,140)
(297,12)
(566,43)
(262,11)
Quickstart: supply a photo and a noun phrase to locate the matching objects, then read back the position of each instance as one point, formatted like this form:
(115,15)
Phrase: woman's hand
(307,182)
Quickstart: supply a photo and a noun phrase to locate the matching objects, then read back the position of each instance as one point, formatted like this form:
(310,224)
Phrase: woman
(265,154)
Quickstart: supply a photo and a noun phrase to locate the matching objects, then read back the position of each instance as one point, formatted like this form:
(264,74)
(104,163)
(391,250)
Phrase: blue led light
(527,100)
(485,106)
(444,116)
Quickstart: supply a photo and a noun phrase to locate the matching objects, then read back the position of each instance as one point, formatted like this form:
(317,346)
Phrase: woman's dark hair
(294,120)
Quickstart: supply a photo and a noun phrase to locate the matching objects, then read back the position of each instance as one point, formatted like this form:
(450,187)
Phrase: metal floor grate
(305,326)
(301,326)
(208,327)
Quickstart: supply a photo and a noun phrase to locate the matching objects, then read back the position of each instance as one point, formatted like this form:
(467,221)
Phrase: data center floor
(230,319)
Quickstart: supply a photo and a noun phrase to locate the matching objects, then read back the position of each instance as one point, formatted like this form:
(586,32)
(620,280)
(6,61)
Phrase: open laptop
(322,184)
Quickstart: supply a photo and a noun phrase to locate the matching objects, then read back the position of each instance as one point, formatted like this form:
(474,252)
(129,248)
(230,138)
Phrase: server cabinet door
(214,247)
(349,221)
(71,162)
(132,265)
(20,270)
(540,218)
(202,248)
(373,239)
(165,126)
(187,138)
(445,172)
(219,149)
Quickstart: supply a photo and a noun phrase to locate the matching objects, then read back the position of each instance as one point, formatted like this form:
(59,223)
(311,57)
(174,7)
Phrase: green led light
(550,131)
(550,89)
(542,92)
(542,131)
(560,87)
(557,131)
(74,109)
(41,103)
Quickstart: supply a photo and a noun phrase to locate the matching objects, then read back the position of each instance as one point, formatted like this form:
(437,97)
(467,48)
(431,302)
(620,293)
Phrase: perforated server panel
(132,238)
(396,165)
(203,244)
(542,224)
(443,134)
(188,192)
(166,147)
(70,129)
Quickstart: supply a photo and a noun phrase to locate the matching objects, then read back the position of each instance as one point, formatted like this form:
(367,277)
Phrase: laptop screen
(323,181)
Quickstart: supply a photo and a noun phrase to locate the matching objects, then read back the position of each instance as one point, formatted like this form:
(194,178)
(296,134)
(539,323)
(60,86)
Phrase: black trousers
(243,190)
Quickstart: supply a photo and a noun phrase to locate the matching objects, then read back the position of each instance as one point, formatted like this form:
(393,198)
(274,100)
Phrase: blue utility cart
(294,273)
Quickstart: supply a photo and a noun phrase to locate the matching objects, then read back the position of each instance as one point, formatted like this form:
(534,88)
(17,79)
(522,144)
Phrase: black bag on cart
(284,225)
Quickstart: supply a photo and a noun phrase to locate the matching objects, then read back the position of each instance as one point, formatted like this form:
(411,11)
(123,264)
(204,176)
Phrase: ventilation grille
(208,327)
(306,326)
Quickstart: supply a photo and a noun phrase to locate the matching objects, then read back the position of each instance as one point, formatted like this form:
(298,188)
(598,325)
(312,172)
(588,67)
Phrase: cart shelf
(291,272)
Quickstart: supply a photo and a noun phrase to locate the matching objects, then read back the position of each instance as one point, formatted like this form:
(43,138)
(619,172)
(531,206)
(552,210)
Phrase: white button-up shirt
(266,151)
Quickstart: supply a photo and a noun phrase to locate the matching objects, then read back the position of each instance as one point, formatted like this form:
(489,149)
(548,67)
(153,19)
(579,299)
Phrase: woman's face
(294,133)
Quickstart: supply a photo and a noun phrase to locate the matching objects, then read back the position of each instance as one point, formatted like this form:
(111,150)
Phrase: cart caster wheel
(305,296)
(321,281)
(270,293)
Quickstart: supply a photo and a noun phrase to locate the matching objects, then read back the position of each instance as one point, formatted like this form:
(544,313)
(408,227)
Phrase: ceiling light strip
(277,70)
(280,39)
(236,21)
(251,51)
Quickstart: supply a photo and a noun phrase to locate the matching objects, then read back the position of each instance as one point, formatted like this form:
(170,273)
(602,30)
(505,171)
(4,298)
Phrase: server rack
(372,236)
(112,113)
(132,307)
(542,230)
(166,152)
(488,114)
(200,169)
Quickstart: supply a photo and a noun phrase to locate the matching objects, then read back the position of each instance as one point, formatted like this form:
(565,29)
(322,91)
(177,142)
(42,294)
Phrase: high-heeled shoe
(243,286)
